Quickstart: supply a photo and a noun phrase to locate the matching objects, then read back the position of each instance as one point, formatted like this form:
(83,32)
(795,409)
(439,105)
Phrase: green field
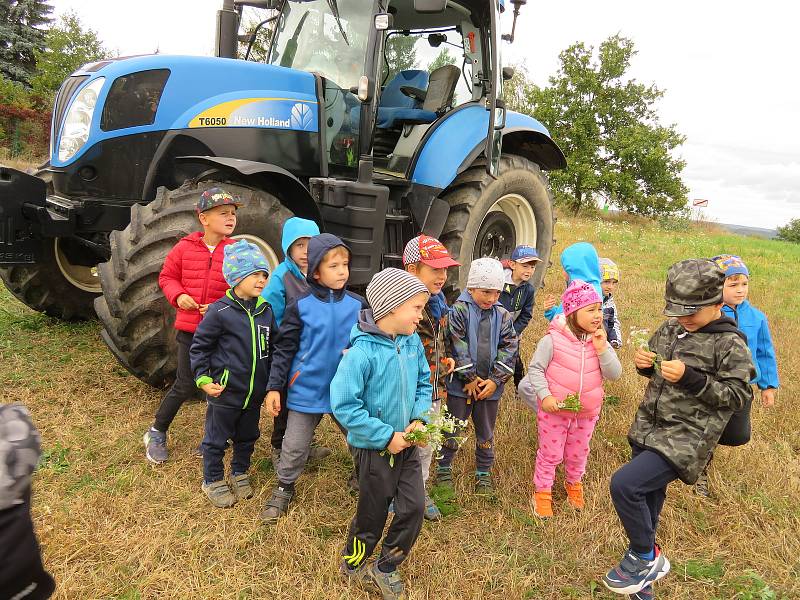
(113,526)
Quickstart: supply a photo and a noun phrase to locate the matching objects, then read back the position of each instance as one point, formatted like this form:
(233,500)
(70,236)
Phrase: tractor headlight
(77,123)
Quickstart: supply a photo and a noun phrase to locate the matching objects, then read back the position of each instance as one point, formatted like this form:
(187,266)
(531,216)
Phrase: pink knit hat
(579,294)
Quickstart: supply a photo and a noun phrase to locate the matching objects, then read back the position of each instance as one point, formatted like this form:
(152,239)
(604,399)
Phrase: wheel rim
(272,257)
(509,219)
(83,278)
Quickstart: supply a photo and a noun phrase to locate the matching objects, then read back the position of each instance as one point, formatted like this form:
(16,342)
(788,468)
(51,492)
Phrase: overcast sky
(729,70)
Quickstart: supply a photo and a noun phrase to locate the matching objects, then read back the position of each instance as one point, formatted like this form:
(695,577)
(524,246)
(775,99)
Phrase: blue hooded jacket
(580,261)
(753,323)
(287,281)
(313,335)
(381,385)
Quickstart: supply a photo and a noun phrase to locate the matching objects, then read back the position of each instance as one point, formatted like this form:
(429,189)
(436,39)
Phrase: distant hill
(754,231)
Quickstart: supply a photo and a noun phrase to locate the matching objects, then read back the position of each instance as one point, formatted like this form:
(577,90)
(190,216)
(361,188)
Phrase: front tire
(489,217)
(136,317)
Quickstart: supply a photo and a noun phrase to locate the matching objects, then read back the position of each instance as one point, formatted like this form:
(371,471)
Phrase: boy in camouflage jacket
(699,369)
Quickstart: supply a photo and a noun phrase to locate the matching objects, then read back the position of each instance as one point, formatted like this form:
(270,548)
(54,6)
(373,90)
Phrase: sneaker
(575,495)
(483,485)
(357,575)
(277,505)
(240,484)
(701,485)
(390,584)
(219,494)
(543,504)
(633,574)
(318,452)
(444,477)
(432,512)
(646,593)
(155,446)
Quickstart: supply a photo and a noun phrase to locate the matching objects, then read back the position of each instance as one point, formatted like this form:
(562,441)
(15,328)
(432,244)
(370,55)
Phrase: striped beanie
(389,288)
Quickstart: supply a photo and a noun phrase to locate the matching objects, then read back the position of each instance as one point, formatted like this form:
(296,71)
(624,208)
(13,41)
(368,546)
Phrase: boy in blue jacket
(578,261)
(518,294)
(288,282)
(230,357)
(481,337)
(380,392)
(313,335)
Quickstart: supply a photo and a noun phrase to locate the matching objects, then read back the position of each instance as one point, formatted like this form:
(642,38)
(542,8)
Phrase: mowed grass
(113,526)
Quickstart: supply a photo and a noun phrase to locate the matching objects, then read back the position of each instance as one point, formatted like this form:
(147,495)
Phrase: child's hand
(413,426)
(487,387)
(549,301)
(212,389)
(550,404)
(768,397)
(471,388)
(202,308)
(186,302)
(600,340)
(273,402)
(644,358)
(398,443)
(450,365)
(672,370)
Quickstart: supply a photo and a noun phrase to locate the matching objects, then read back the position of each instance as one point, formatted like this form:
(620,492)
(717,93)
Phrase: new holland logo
(301,117)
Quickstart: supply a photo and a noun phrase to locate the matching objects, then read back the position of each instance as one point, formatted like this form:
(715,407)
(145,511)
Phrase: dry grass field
(113,526)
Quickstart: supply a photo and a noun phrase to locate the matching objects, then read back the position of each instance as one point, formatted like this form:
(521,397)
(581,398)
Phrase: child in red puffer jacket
(191,279)
(572,360)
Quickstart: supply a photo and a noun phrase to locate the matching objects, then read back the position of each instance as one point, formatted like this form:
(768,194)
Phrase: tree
(260,49)
(790,232)
(444,58)
(67,46)
(21,37)
(608,128)
(400,54)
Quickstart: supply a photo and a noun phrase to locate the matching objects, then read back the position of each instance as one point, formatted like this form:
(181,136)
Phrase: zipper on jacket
(253,345)
(435,356)
(583,365)
(403,382)
(208,274)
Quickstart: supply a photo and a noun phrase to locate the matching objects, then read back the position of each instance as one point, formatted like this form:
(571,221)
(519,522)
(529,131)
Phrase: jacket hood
(723,325)
(318,246)
(466,297)
(580,261)
(294,229)
(366,327)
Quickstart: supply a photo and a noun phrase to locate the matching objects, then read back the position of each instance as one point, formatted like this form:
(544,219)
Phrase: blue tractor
(357,119)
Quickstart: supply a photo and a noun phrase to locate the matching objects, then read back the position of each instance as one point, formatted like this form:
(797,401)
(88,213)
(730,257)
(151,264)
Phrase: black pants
(279,424)
(222,424)
(182,390)
(378,484)
(638,490)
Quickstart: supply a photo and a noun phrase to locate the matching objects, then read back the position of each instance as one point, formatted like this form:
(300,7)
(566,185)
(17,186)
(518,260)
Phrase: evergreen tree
(21,37)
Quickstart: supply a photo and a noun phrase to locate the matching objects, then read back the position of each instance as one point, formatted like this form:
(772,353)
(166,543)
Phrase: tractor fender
(274,179)
(454,143)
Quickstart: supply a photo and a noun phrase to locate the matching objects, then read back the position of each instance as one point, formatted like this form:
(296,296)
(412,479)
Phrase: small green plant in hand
(438,426)
(640,338)
(571,403)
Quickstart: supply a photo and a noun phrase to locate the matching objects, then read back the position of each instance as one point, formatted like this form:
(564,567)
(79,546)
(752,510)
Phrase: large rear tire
(489,217)
(136,317)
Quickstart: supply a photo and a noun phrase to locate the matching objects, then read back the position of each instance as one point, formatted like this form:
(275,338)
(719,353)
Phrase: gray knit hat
(389,288)
(486,274)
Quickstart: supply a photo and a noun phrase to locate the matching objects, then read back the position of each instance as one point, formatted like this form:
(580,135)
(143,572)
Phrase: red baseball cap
(428,250)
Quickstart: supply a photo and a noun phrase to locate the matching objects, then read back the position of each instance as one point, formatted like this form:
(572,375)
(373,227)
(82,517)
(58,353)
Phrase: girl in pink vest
(570,363)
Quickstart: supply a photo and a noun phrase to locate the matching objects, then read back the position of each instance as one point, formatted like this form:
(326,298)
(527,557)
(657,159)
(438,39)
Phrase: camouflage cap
(216,197)
(691,285)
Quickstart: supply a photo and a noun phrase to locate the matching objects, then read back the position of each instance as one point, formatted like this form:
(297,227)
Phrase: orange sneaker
(543,504)
(575,495)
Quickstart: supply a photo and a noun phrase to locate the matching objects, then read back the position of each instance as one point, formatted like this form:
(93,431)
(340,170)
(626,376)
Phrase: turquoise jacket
(753,323)
(381,385)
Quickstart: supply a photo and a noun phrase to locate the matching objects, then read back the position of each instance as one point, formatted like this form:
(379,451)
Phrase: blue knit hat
(731,264)
(242,259)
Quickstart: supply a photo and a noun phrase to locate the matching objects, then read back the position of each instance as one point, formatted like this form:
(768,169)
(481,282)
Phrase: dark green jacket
(683,421)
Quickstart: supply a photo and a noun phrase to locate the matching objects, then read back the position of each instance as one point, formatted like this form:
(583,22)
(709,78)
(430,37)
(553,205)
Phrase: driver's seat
(436,99)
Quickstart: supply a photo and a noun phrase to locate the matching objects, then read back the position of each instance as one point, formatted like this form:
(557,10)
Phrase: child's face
(609,286)
(735,290)
(220,220)
(298,252)
(701,318)
(522,271)
(404,319)
(334,269)
(484,298)
(590,318)
(251,286)
(433,279)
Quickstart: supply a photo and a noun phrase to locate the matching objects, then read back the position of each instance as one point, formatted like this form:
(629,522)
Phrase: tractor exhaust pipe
(227,30)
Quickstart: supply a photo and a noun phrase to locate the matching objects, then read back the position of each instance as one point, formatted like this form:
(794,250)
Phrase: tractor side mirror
(500,115)
(430,6)
(383,21)
(508,73)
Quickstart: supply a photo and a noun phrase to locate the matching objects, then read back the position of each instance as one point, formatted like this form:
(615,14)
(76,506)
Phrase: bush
(790,232)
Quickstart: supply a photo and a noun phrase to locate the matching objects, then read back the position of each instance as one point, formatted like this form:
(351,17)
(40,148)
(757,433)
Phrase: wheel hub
(83,278)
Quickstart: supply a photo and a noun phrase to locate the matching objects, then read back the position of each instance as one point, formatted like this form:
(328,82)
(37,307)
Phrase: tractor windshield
(328,37)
